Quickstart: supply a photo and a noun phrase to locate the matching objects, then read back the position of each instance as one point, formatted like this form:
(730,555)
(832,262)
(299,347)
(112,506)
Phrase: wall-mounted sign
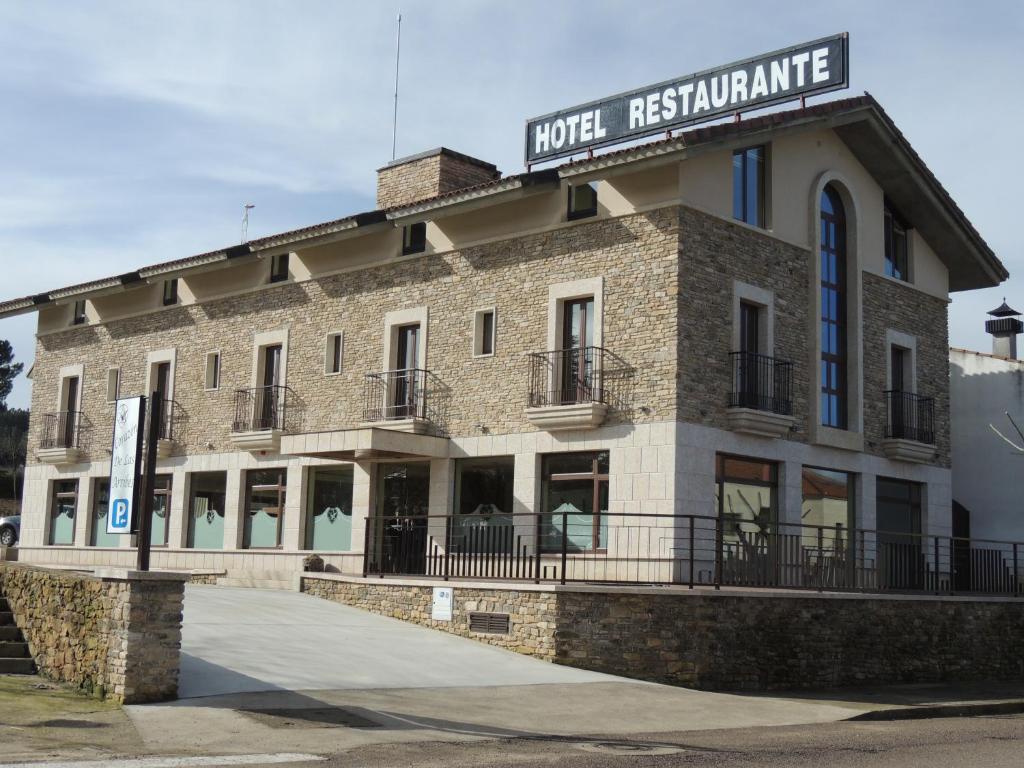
(802,70)
(441,608)
(125,462)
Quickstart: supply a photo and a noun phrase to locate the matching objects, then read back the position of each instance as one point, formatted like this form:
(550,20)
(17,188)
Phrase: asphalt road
(980,742)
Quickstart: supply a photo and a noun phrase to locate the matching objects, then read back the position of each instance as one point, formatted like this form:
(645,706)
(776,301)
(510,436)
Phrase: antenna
(394,122)
(245,220)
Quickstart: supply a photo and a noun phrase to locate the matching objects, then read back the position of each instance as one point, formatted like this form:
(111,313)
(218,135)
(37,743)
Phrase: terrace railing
(567,377)
(61,430)
(261,409)
(398,394)
(762,383)
(687,550)
(909,417)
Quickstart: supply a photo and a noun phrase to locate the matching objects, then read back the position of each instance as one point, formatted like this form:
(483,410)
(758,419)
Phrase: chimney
(429,174)
(1004,329)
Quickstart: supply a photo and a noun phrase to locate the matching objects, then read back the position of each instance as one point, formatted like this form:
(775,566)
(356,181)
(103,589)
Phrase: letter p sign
(119,521)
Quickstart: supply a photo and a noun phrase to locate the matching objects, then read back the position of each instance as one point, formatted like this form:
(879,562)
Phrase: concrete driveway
(248,640)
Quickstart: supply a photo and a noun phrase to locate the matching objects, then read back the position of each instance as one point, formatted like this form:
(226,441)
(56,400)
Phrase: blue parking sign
(119,518)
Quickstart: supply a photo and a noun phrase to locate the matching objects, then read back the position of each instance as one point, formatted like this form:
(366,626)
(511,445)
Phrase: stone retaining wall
(727,640)
(115,635)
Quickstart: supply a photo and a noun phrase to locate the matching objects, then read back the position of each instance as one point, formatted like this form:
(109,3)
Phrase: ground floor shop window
(329,509)
(574,501)
(161,511)
(483,519)
(100,508)
(898,521)
(264,508)
(827,501)
(62,512)
(746,498)
(206,510)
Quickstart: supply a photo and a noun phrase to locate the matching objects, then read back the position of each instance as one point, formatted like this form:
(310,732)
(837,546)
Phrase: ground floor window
(206,510)
(898,522)
(483,519)
(62,511)
(329,509)
(574,501)
(264,508)
(161,511)
(746,497)
(827,498)
(98,536)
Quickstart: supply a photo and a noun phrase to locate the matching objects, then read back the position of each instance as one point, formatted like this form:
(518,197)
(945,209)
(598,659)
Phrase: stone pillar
(294,507)
(439,504)
(234,508)
(83,510)
(177,531)
(362,504)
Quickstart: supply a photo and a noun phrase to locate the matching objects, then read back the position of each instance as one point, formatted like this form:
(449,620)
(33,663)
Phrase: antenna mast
(394,122)
(245,220)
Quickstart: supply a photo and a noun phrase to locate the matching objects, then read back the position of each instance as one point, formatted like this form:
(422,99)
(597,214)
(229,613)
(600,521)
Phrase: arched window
(833,310)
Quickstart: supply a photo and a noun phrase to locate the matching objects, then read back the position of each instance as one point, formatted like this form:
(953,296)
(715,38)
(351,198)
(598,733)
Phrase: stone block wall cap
(128,574)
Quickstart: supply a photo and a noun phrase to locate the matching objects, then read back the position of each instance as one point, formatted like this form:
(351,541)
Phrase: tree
(1017,447)
(9,370)
(13,448)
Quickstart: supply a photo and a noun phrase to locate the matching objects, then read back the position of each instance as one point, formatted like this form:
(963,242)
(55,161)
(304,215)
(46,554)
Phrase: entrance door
(162,387)
(268,397)
(68,429)
(404,394)
(749,383)
(403,493)
(577,364)
(898,520)
(898,404)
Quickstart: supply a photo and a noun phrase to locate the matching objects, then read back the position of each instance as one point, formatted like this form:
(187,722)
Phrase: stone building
(651,356)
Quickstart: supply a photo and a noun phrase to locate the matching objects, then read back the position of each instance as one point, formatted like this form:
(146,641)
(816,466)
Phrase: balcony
(397,400)
(909,427)
(261,417)
(567,389)
(59,442)
(761,399)
(165,434)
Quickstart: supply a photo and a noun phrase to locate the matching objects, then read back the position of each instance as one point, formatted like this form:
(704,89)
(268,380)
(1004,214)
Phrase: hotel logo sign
(801,70)
(125,461)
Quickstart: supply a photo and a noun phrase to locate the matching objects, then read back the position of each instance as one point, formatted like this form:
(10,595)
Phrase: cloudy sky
(133,132)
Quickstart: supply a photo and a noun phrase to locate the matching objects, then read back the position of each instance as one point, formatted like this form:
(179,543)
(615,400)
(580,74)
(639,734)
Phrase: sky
(134,132)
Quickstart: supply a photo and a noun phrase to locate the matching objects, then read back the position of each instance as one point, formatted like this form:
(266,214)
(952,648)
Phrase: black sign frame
(614,104)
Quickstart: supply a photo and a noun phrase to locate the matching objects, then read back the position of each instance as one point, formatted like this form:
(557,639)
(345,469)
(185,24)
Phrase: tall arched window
(833,310)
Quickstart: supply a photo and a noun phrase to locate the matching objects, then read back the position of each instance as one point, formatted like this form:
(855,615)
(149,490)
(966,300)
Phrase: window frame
(165,491)
(893,224)
(213,356)
(414,238)
(281,487)
(596,475)
(170,298)
(740,174)
(574,213)
(55,496)
(480,336)
(280,268)
(113,383)
(78,314)
(334,353)
(721,478)
(839,358)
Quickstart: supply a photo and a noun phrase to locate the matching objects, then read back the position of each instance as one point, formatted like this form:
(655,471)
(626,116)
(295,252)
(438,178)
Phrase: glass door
(267,405)
(403,495)
(404,396)
(577,355)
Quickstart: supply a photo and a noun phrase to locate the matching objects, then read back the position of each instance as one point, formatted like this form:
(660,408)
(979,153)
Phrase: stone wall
(115,636)
(429,174)
(726,640)
(890,305)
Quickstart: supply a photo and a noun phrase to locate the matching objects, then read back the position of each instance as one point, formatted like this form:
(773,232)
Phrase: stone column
(362,505)
(294,507)
(83,509)
(234,508)
(177,530)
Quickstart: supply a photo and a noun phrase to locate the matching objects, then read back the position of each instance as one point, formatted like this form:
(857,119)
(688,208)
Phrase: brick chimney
(429,174)
(1004,328)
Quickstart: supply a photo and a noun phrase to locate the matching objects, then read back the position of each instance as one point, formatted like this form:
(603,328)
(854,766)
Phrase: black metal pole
(148,481)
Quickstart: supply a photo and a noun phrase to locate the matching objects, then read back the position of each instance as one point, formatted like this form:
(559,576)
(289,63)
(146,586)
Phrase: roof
(860,122)
(1004,310)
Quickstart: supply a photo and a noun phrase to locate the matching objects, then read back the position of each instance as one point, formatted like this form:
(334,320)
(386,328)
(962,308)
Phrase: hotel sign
(125,461)
(802,70)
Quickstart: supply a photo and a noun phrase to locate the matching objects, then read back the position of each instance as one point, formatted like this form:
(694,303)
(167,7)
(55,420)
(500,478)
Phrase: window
(329,509)
(170,292)
(332,353)
(98,536)
(898,359)
(483,521)
(279,268)
(574,501)
(748,185)
(483,332)
(78,313)
(746,497)
(582,201)
(827,501)
(896,252)
(750,324)
(898,522)
(264,508)
(113,384)
(206,510)
(833,310)
(212,370)
(161,511)
(414,238)
(62,512)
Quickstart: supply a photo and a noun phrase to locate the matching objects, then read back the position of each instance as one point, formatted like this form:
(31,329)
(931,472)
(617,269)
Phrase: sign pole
(149,481)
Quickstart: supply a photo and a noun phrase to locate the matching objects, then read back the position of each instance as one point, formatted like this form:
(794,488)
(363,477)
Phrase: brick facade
(430,174)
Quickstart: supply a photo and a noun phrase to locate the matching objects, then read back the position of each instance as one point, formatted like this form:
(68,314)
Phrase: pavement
(268,673)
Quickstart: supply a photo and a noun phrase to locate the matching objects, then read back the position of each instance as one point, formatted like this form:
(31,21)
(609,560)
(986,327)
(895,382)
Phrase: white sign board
(441,610)
(125,455)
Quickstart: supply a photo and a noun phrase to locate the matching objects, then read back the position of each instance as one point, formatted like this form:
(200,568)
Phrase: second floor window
(279,268)
(748,185)
(896,260)
(414,238)
(170,292)
(833,310)
(582,201)
(78,313)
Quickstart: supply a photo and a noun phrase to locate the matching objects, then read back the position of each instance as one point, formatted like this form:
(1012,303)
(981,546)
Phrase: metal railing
(261,409)
(167,415)
(398,394)
(60,430)
(567,377)
(687,550)
(762,383)
(909,417)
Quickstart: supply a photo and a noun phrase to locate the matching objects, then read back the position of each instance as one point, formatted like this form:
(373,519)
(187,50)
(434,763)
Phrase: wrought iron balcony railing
(167,409)
(909,417)
(393,395)
(567,377)
(261,409)
(762,383)
(60,430)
